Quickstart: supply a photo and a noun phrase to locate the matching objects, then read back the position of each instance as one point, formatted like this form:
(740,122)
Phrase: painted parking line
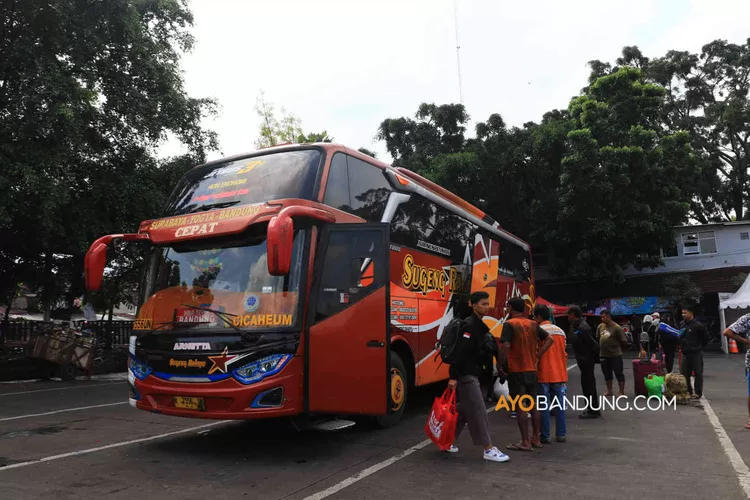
(66,410)
(17,393)
(104,376)
(110,446)
(380,465)
(738,464)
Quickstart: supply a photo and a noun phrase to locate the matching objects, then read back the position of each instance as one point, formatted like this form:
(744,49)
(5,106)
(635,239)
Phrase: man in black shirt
(693,341)
(472,349)
(586,352)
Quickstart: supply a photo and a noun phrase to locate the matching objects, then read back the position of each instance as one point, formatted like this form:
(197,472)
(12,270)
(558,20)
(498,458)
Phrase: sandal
(747,424)
(515,447)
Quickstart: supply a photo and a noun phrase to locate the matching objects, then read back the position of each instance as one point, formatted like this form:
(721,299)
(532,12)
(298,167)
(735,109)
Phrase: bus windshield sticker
(142,324)
(252,303)
(226,184)
(263,320)
(221,195)
(237,169)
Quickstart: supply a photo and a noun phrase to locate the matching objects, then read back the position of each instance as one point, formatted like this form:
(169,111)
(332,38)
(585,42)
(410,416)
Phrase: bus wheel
(397,394)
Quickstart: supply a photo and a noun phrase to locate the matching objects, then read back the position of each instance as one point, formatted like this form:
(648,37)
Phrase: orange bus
(306,280)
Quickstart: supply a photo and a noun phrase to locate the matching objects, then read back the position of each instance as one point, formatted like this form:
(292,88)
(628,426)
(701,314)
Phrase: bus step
(335,424)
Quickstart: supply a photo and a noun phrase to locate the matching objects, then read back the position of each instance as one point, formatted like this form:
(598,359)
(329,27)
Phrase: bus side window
(339,287)
(369,190)
(337,187)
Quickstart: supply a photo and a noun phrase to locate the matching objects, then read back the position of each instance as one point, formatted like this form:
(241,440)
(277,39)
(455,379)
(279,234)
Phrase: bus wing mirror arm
(96,258)
(280,237)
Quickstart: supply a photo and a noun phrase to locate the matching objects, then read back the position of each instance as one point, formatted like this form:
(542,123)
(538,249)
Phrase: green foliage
(273,130)
(616,155)
(707,96)
(682,290)
(367,152)
(414,143)
(88,91)
(315,137)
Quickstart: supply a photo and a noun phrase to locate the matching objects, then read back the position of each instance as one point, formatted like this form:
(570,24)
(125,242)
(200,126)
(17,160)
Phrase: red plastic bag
(441,424)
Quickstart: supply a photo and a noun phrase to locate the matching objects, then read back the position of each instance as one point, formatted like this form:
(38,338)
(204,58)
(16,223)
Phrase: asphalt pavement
(72,440)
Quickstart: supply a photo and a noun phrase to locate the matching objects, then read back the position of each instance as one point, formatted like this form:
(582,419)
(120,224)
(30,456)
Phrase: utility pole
(458,53)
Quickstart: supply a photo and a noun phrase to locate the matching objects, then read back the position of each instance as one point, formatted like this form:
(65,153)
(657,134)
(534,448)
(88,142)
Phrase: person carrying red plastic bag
(472,347)
(441,424)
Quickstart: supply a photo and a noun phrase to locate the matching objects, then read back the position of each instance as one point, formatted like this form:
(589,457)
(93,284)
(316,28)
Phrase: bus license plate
(189,403)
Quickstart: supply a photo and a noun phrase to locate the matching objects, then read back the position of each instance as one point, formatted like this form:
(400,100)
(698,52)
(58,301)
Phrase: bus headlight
(261,368)
(138,369)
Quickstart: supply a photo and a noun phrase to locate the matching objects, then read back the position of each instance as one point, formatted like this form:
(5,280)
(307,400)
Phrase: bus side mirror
(96,259)
(279,243)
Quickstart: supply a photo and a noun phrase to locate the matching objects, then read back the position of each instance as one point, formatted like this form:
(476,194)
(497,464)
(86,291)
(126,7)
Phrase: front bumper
(227,399)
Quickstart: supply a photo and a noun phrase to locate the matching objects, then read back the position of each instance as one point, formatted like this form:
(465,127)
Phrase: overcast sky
(344,66)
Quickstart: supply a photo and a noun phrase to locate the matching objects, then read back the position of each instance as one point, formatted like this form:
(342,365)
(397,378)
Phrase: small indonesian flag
(467,335)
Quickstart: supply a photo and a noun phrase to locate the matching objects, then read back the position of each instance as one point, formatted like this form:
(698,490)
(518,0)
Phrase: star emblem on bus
(220,362)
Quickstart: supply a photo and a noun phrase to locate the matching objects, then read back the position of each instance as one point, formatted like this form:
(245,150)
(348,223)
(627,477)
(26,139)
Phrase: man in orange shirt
(552,376)
(520,344)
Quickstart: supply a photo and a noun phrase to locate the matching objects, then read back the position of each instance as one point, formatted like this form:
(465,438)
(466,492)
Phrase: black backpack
(448,343)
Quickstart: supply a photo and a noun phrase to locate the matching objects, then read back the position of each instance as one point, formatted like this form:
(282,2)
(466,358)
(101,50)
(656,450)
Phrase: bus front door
(347,344)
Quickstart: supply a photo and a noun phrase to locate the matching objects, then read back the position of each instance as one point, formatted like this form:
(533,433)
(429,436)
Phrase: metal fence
(116,333)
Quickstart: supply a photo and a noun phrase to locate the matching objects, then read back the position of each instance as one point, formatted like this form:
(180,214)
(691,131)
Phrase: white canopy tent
(731,307)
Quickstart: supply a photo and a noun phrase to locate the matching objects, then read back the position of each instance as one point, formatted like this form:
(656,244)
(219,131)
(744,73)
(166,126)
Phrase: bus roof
(404,176)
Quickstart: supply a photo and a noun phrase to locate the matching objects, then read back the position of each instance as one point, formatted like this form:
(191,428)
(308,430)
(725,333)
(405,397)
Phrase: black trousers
(612,366)
(693,362)
(588,382)
(669,353)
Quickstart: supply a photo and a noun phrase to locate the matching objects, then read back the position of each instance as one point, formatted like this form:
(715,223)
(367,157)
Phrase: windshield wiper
(223,315)
(211,206)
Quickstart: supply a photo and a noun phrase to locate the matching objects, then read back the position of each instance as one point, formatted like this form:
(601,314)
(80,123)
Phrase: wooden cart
(66,348)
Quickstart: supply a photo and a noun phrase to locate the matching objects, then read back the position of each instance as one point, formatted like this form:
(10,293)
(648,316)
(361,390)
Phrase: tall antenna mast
(458,53)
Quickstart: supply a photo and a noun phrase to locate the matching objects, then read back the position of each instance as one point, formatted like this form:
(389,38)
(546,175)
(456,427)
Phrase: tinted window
(352,269)
(256,179)
(515,262)
(337,187)
(356,187)
(368,188)
(423,225)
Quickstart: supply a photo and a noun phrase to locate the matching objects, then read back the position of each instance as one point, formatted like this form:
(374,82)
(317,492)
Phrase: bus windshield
(231,279)
(290,174)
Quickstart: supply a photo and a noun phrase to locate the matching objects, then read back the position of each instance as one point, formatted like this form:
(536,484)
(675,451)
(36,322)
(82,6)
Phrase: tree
(367,152)
(414,143)
(613,211)
(287,128)
(707,96)
(275,130)
(682,289)
(87,93)
(315,137)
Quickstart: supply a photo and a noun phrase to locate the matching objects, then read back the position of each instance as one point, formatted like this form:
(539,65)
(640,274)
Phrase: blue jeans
(551,391)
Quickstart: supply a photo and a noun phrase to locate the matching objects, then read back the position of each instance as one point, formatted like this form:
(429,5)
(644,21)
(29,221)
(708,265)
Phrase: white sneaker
(452,449)
(495,455)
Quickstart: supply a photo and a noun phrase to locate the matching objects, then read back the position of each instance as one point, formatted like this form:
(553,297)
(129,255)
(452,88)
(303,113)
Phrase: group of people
(531,355)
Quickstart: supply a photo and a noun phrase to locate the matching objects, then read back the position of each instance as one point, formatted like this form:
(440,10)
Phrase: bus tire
(398,394)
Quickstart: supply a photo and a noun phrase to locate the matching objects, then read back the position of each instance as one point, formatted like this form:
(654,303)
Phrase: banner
(626,306)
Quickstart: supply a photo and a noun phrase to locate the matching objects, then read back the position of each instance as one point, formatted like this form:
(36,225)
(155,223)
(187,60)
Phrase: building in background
(710,258)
